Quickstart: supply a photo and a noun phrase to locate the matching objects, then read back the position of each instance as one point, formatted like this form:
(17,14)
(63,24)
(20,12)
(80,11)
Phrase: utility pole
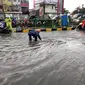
(3,8)
(62,6)
(58,7)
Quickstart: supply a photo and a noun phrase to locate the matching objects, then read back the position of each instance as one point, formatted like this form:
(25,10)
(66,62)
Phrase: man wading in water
(34,33)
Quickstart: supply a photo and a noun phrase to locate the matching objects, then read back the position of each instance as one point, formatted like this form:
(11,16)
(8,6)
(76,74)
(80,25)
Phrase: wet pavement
(59,59)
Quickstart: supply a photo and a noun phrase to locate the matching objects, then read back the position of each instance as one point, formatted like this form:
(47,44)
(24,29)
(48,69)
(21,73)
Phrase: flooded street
(59,59)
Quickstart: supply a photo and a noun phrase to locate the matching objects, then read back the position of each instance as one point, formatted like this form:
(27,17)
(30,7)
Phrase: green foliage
(79,10)
(66,11)
(82,11)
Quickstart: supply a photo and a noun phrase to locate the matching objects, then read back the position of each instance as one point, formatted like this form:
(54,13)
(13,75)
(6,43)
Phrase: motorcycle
(4,28)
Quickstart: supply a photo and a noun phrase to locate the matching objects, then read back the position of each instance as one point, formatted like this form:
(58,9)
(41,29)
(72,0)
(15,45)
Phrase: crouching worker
(34,34)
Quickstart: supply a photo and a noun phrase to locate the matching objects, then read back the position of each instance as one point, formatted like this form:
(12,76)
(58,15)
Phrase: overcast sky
(72,4)
(68,4)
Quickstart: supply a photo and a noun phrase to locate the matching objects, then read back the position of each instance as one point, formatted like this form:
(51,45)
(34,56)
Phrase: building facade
(4,5)
(51,8)
(46,9)
(10,8)
(24,8)
(15,9)
(1,6)
(1,9)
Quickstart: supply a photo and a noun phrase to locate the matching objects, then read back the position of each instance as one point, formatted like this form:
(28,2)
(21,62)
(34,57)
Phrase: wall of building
(24,8)
(50,9)
(46,1)
(1,6)
(0,2)
(17,2)
(7,2)
(59,5)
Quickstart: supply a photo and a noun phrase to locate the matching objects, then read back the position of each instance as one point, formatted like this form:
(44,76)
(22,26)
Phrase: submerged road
(59,59)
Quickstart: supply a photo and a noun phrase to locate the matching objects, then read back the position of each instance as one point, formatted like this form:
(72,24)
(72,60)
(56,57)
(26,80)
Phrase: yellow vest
(9,23)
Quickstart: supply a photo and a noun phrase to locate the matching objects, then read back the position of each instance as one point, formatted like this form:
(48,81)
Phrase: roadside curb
(46,29)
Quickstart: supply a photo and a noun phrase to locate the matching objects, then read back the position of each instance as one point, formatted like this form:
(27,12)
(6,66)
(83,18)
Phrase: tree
(66,11)
(79,10)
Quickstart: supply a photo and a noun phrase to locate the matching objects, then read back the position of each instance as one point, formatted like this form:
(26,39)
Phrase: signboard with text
(41,11)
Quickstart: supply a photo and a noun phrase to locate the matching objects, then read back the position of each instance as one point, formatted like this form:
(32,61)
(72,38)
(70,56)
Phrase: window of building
(52,7)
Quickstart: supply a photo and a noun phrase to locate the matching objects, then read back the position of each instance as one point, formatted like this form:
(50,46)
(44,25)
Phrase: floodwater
(59,59)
